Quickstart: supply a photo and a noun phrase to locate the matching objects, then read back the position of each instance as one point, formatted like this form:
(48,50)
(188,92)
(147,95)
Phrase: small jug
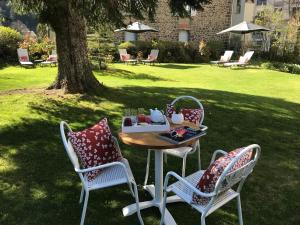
(177,118)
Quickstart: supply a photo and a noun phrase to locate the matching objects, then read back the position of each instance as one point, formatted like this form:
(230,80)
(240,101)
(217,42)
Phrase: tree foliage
(104,11)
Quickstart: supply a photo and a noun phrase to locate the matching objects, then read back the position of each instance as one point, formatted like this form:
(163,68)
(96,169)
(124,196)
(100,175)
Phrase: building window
(191,11)
(130,36)
(183,36)
(261,2)
(238,7)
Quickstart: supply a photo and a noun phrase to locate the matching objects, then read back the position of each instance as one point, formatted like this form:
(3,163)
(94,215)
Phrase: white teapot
(156,116)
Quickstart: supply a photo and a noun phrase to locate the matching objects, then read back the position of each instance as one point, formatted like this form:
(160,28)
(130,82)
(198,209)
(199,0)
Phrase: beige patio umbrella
(244,28)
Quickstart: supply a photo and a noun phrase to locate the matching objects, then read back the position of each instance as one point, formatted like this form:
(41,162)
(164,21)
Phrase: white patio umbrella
(137,27)
(244,28)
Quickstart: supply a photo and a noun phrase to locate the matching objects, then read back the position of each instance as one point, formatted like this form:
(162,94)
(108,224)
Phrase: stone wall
(204,25)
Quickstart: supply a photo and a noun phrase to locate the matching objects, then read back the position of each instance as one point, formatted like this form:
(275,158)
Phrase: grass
(243,106)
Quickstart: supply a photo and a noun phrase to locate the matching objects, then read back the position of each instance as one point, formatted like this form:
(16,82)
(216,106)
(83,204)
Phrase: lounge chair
(24,58)
(125,57)
(224,58)
(51,60)
(152,57)
(243,60)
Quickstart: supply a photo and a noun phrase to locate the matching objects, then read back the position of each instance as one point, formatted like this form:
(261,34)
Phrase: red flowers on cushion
(151,57)
(94,146)
(210,177)
(170,110)
(24,59)
(191,115)
(125,57)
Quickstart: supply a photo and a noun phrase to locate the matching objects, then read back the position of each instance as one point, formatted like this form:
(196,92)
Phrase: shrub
(174,51)
(284,67)
(9,39)
(216,49)
(38,49)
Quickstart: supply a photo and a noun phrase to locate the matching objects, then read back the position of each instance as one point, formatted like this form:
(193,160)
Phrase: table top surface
(151,140)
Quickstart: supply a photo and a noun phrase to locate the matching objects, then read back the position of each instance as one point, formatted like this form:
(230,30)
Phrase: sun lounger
(224,58)
(152,57)
(126,58)
(24,57)
(243,60)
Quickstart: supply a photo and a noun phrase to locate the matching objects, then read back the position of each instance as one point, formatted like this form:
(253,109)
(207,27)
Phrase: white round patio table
(151,140)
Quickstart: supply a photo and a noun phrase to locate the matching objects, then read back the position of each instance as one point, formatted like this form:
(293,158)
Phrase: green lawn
(243,106)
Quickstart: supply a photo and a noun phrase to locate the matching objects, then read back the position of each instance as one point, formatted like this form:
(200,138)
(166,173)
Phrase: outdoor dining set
(97,159)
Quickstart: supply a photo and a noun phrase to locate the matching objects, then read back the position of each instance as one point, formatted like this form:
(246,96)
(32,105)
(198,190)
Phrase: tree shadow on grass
(42,177)
(177,66)
(125,74)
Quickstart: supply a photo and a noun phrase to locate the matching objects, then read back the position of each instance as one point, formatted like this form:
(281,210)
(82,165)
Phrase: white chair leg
(130,188)
(166,158)
(202,220)
(239,206)
(183,166)
(84,207)
(199,157)
(147,167)
(163,210)
(81,195)
(136,195)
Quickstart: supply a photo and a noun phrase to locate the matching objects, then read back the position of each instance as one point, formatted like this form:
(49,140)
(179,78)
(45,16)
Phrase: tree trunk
(74,69)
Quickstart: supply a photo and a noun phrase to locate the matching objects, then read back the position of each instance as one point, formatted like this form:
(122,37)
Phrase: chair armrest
(101,167)
(194,189)
(203,127)
(219,151)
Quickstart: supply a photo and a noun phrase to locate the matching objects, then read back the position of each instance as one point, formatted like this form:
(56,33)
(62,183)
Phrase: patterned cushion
(24,58)
(151,57)
(125,57)
(52,58)
(94,146)
(192,115)
(170,110)
(210,177)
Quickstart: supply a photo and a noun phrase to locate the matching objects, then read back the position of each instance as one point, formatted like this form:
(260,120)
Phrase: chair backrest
(230,178)
(154,53)
(122,51)
(227,55)
(193,99)
(22,53)
(247,56)
(68,146)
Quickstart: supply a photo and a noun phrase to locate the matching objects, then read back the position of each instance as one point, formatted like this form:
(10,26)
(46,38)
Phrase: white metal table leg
(156,191)
(159,173)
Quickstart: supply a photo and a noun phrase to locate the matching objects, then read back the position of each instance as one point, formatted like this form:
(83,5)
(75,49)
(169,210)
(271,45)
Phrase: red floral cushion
(24,59)
(210,177)
(94,146)
(192,115)
(125,57)
(52,58)
(151,57)
(170,110)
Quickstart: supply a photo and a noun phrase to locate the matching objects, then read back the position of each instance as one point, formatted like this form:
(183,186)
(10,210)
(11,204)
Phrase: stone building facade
(215,17)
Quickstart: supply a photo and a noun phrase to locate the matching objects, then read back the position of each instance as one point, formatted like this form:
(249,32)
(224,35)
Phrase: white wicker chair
(181,152)
(223,193)
(114,173)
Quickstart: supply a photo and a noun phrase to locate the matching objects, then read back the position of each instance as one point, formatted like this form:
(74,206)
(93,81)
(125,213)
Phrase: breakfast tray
(196,134)
(143,127)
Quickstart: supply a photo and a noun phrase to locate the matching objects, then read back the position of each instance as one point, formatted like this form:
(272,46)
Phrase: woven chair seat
(111,176)
(184,192)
